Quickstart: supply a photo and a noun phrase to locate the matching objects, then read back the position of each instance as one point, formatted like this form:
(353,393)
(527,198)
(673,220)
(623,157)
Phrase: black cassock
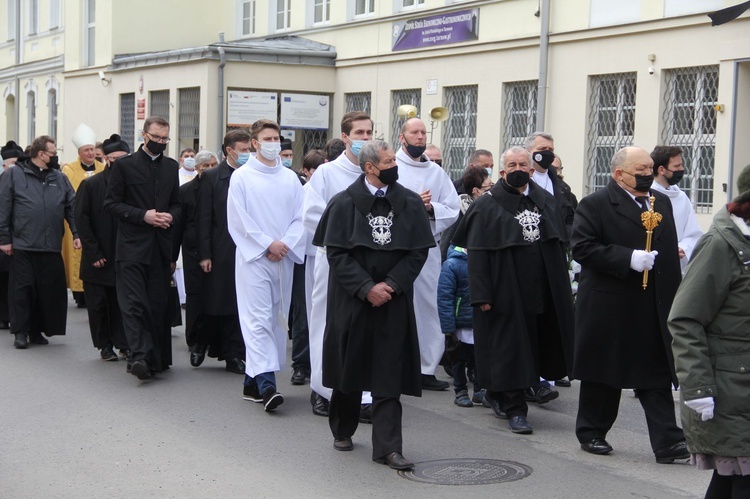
(511,271)
(366,347)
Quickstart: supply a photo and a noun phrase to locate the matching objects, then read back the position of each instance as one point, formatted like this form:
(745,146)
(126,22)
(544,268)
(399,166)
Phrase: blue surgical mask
(489,172)
(357,146)
(287,162)
(242,158)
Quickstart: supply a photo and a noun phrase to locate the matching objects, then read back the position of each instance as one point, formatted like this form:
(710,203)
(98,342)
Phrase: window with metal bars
(689,122)
(611,123)
(188,118)
(52,105)
(127,119)
(460,130)
(358,101)
(520,112)
(411,96)
(31,105)
(314,139)
(159,104)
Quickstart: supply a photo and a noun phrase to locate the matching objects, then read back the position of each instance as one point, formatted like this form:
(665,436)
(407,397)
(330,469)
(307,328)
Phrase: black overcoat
(214,241)
(138,184)
(506,357)
(97,230)
(366,347)
(622,338)
(185,237)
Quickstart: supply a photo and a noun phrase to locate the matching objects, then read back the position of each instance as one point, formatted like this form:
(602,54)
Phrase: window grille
(358,101)
(127,119)
(314,139)
(188,119)
(460,130)
(159,104)
(411,96)
(520,112)
(690,123)
(611,123)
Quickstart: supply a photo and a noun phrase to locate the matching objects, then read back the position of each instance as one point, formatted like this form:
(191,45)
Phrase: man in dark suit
(621,338)
(143,194)
(216,257)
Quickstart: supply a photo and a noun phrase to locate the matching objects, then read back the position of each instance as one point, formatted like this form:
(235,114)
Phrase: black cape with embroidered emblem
(366,347)
(507,357)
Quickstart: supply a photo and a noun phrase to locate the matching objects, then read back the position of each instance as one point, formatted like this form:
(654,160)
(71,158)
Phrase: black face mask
(517,178)
(100,159)
(676,177)
(543,158)
(642,182)
(389,176)
(53,163)
(415,151)
(156,148)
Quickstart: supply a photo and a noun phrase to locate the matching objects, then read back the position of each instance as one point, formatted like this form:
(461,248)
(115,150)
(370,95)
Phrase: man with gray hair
(377,237)
(621,339)
(523,320)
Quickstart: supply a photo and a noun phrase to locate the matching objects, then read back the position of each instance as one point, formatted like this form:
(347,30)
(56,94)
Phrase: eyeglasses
(51,153)
(157,138)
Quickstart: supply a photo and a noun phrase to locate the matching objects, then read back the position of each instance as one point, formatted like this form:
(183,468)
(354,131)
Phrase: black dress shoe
(299,375)
(38,339)
(320,406)
(343,444)
(365,413)
(140,369)
(235,365)
(430,382)
(519,424)
(541,394)
(251,393)
(271,400)
(495,406)
(565,383)
(22,341)
(198,354)
(107,354)
(396,461)
(597,446)
(678,451)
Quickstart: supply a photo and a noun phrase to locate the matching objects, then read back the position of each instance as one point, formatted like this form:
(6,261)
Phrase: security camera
(101,76)
(651,70)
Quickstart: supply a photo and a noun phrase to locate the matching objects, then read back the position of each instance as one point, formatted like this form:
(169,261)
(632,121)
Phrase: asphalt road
(75,426)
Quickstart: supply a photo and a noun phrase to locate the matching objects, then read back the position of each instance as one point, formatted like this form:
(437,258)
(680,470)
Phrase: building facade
(618,73)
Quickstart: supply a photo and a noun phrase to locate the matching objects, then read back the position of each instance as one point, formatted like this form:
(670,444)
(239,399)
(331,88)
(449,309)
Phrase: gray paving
(75,426)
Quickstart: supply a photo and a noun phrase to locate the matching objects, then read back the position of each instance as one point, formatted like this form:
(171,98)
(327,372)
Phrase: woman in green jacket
(710,325)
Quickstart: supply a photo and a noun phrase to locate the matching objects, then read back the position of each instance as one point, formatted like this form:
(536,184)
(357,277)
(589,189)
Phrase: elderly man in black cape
(519,287)
(377,237)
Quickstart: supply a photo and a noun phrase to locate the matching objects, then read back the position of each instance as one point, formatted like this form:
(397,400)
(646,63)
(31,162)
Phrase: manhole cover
(467,471)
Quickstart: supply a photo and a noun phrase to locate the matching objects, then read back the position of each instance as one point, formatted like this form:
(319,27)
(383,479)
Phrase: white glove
(642,260)
(704,407)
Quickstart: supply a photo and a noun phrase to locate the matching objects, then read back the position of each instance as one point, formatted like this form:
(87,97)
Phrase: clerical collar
(88,168)
(645,194)
(543,180)
(374,189)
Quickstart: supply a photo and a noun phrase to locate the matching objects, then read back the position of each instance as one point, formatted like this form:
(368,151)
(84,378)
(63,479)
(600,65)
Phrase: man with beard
(98,232)
(518,281)
(222,336)
(419,174)
(143,194)
(35,198)
(376,235)
(622,340)
(84,139)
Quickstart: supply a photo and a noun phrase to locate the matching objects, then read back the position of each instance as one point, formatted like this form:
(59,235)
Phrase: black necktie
(379,193)
(642,201)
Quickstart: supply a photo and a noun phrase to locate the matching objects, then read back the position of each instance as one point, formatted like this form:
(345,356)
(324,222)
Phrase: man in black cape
(377,237)
(519,286)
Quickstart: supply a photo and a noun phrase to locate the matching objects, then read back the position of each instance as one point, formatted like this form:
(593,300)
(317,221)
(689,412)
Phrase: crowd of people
(381,269)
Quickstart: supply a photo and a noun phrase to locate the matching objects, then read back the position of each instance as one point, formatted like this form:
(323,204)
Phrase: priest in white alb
(264,217)
(419,174)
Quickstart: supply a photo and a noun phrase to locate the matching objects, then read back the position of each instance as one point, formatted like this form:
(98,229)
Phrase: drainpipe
(17,104)
(222,63)
(543,55)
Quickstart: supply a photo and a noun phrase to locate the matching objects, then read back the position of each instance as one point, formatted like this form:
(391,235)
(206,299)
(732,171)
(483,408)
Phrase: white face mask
(270,150)
(188,163)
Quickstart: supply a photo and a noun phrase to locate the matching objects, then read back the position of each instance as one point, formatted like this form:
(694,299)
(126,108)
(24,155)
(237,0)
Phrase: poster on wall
(141,109)
(245,107)
(440,29)
(308,111)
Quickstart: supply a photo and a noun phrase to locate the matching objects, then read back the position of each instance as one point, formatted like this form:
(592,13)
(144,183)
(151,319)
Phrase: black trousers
(105,319)
(4,294)
(598,405)
(223,336)
(142,292)
(386,421)
(513,402)
(193,318)
(298,321)
(39,298)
